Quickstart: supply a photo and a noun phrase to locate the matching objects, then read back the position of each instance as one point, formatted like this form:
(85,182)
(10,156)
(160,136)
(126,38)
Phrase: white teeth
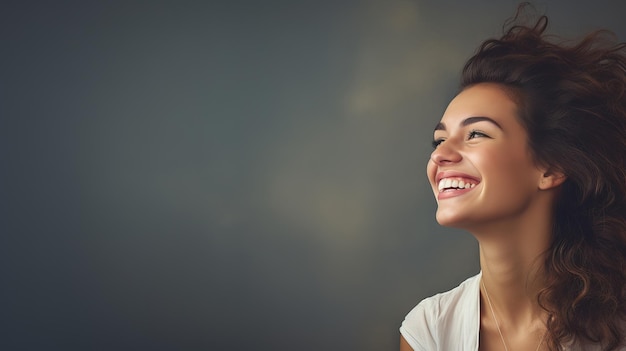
(444,183)
(447,183)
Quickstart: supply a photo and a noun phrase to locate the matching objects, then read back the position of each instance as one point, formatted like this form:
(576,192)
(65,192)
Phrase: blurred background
(231,175)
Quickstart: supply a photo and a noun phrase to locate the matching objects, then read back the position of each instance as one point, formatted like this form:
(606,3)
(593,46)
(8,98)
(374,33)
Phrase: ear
(551,179)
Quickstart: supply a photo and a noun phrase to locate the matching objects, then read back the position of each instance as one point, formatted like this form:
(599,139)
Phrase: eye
(436,142)
(476,134)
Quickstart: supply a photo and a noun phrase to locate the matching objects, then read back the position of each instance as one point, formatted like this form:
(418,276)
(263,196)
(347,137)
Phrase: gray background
(236,175)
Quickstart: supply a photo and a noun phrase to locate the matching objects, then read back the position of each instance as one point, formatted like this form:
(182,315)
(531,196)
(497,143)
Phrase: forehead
(485,99)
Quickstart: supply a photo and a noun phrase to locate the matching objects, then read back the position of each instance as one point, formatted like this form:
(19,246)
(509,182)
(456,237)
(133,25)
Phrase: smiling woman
(530,157)
(489,153)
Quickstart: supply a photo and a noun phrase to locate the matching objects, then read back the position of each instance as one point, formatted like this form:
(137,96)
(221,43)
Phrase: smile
(455,183)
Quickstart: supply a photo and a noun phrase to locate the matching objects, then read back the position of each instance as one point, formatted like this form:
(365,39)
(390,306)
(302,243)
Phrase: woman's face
(481,170)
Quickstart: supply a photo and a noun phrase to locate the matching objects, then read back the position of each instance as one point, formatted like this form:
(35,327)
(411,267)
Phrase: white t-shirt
(446,321)
(451,321)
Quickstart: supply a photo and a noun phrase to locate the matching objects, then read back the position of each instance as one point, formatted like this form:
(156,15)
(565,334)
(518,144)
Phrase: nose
(445,154)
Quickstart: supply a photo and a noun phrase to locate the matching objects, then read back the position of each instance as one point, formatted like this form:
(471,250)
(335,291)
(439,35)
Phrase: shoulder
(428,324)
(442,302)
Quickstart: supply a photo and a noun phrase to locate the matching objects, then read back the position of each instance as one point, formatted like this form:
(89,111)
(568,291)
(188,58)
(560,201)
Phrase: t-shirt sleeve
(419,328)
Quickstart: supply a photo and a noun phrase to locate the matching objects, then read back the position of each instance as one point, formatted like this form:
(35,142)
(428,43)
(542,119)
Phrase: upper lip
(454,174)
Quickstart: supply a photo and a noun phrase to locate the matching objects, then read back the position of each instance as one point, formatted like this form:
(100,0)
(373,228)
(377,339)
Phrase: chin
(453,220)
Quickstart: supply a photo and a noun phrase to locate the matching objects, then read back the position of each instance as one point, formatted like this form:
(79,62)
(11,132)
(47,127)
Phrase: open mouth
(455,183)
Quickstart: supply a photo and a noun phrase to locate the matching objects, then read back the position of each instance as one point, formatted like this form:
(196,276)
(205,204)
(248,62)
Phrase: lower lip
(452,193)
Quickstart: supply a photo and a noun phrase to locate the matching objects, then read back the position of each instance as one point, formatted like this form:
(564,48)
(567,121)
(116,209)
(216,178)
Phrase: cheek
(511,167)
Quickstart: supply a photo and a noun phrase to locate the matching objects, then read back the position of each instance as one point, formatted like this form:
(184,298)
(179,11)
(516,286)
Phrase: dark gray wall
(236,175)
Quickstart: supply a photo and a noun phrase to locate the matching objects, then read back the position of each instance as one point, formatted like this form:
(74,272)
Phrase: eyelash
(470,135)
(436,142)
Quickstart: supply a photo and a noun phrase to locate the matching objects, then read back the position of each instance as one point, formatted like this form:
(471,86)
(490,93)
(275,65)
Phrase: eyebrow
(470,120)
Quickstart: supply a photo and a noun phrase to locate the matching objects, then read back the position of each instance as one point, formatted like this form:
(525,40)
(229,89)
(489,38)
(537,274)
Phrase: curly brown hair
(571,99)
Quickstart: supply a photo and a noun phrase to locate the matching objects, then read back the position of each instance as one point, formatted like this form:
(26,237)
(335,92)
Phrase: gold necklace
(498,324)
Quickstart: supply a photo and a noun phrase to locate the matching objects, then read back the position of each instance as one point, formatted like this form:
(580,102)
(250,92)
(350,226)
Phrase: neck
(511,260)
(513,281)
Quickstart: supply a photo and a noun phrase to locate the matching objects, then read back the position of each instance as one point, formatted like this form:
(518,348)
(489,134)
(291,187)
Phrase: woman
(530,157)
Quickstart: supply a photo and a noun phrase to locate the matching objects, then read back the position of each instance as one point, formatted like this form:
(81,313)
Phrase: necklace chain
(498,324)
